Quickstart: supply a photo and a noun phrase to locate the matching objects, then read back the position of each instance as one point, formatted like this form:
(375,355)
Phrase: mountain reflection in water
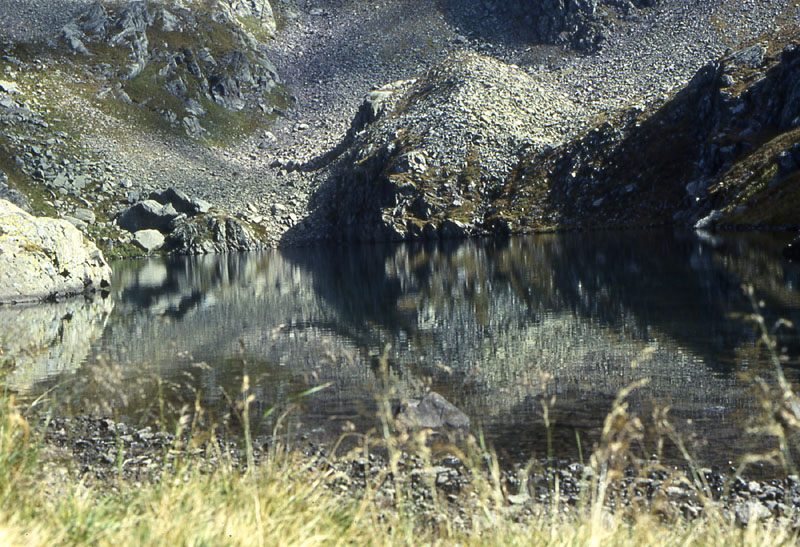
(498,328)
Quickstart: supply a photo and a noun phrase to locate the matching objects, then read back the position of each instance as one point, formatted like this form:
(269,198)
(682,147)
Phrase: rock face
(44,257)
(143,44)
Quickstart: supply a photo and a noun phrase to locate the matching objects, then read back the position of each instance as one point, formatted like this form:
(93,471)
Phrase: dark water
(501,329)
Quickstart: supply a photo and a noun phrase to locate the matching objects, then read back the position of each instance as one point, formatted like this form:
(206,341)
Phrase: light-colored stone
(85,215)
(43,257)
(148,240)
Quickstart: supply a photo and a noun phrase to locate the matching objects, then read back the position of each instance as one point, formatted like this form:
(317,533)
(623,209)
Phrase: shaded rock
(148,214)
(45,257)
(453,229)
(148,240)
(432,412)
(226,92)
(708,221)
(377,102)
(181,201)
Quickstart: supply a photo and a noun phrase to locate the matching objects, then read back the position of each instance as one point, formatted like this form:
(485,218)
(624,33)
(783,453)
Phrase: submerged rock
(432,412)
(45,257)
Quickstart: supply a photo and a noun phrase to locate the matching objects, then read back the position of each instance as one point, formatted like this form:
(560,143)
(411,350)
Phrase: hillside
(481,116)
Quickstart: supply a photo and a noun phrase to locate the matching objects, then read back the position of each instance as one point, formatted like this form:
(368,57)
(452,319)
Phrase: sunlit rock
(45,257)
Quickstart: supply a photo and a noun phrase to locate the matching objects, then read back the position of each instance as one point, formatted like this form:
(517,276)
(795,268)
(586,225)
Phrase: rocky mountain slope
(707,149)
(475,112)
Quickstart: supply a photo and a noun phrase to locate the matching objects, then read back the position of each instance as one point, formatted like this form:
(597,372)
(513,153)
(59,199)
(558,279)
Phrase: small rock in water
(433,412)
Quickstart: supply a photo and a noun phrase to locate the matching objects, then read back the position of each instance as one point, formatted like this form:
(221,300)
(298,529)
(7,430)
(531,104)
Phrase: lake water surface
(501,329)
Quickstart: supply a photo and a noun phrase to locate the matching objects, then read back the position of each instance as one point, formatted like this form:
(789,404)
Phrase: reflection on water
(48,339)
(499,328)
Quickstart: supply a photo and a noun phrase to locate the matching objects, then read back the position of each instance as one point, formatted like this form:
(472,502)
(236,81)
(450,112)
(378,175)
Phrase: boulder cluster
(172,221)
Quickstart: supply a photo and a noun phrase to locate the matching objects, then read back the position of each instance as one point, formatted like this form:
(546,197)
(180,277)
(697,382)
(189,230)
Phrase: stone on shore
(148,240)
(46,257)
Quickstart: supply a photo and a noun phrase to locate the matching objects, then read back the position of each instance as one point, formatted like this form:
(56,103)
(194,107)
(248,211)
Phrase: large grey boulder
(148,215)
(45,257)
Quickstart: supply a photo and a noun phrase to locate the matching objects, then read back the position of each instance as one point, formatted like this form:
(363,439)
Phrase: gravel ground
(36,20)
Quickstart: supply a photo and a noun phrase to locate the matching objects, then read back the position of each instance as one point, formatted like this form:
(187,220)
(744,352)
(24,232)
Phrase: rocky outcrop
(242,12)
(448,144)
(172,221)
(212,234)
(724,151)
(43,257)
(143,44)
(450,161)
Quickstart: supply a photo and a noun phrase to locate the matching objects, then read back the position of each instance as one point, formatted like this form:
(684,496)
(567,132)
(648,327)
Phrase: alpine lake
(532,337)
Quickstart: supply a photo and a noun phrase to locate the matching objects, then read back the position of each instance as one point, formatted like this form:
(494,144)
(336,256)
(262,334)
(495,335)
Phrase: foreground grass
(287,501)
